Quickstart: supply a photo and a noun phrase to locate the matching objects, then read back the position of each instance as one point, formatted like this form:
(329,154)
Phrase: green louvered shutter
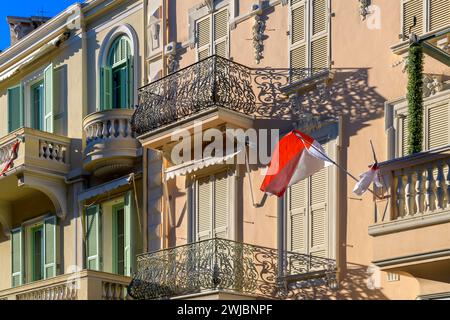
(106,88)
(130,233)
(297,215)
(439,14)
(438,126)
(411,9)
(48,99)
(130,78)
(204,208)
(15,108)
(93,237)
(221,33)
(203,38)
(50,239)
(318,211)
(17,265)
(222,205)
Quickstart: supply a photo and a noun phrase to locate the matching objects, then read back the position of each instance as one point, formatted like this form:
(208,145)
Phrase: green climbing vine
(415,99)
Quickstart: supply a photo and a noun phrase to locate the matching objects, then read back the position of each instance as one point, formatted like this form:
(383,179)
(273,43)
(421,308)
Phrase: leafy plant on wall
(415,99)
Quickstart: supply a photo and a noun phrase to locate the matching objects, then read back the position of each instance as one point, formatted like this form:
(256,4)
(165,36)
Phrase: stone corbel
(53,188)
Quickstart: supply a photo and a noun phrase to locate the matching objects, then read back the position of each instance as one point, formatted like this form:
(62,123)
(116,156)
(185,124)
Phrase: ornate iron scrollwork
(220,264)
(216,82)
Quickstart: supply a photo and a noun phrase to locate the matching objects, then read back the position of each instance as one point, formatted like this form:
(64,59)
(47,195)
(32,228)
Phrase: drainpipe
(165,34)
(280,240)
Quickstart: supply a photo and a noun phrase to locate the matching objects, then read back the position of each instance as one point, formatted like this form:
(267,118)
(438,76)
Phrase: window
(213,206)
(421,16)
(309,35)
(310,205)
(41,102)
(34,251)
(436,123)
(111,235)
(117,76)
(212,35)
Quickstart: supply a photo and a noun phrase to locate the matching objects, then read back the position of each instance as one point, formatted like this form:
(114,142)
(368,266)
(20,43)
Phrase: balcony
(223,89)
(37,169)
(220,268)
(84,285)
(111,147)
(412,222)
(37,150)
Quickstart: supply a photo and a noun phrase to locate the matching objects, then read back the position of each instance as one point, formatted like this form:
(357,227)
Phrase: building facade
(98,99)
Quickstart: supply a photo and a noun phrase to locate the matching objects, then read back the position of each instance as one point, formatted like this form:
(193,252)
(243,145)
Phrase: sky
(24,8)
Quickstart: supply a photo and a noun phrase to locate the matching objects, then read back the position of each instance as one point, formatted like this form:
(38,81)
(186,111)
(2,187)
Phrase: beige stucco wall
(367,78)
(79,91)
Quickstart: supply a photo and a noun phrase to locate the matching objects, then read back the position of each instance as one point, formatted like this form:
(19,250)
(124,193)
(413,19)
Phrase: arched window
(117,76)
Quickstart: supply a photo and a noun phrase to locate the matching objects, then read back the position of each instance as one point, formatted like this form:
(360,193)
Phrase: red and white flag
(12,156)
(366,179)
(296,157)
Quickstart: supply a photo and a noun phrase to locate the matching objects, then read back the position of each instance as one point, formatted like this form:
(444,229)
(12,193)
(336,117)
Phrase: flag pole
(335,163)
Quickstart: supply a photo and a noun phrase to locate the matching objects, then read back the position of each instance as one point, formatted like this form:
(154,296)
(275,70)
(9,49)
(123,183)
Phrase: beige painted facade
(391,248)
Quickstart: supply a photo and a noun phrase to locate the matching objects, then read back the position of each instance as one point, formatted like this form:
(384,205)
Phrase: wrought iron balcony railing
(220,264)
(217,82)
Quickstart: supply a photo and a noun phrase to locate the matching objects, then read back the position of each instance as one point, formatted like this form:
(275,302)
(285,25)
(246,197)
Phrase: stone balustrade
(416,187)
(111,145)
(86,284)
(37,149)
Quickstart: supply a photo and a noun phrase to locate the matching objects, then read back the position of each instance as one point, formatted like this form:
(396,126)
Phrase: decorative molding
(364,8)
(432,84)
(258,34)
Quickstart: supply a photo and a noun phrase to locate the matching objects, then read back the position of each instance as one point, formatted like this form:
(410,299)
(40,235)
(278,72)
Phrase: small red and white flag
(366,179)
(296,157)
(12,156)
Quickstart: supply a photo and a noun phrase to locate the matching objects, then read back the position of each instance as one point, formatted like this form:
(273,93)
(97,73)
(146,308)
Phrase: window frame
(309,37)
(193,202)
(212,41)
(115,241)
(330,133)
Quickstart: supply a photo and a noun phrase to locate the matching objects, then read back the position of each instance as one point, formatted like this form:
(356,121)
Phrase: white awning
(195,165)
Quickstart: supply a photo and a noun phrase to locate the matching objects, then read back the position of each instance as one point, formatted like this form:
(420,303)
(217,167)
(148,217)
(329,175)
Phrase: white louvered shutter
(221,33)
(204,209)
(438,126)
(318,214)
(297,207)
(319,43)
(411,9)
(439,14)
(203,38)
(221,205)
(403,135)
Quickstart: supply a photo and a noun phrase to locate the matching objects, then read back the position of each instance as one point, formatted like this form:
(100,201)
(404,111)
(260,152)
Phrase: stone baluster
(105,131)
(440,186)
(430,189)
(419,191)
(121,127)
(400,197)
(409,194)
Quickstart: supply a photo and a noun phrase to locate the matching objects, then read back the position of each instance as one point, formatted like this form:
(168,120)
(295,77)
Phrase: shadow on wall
(357,283)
